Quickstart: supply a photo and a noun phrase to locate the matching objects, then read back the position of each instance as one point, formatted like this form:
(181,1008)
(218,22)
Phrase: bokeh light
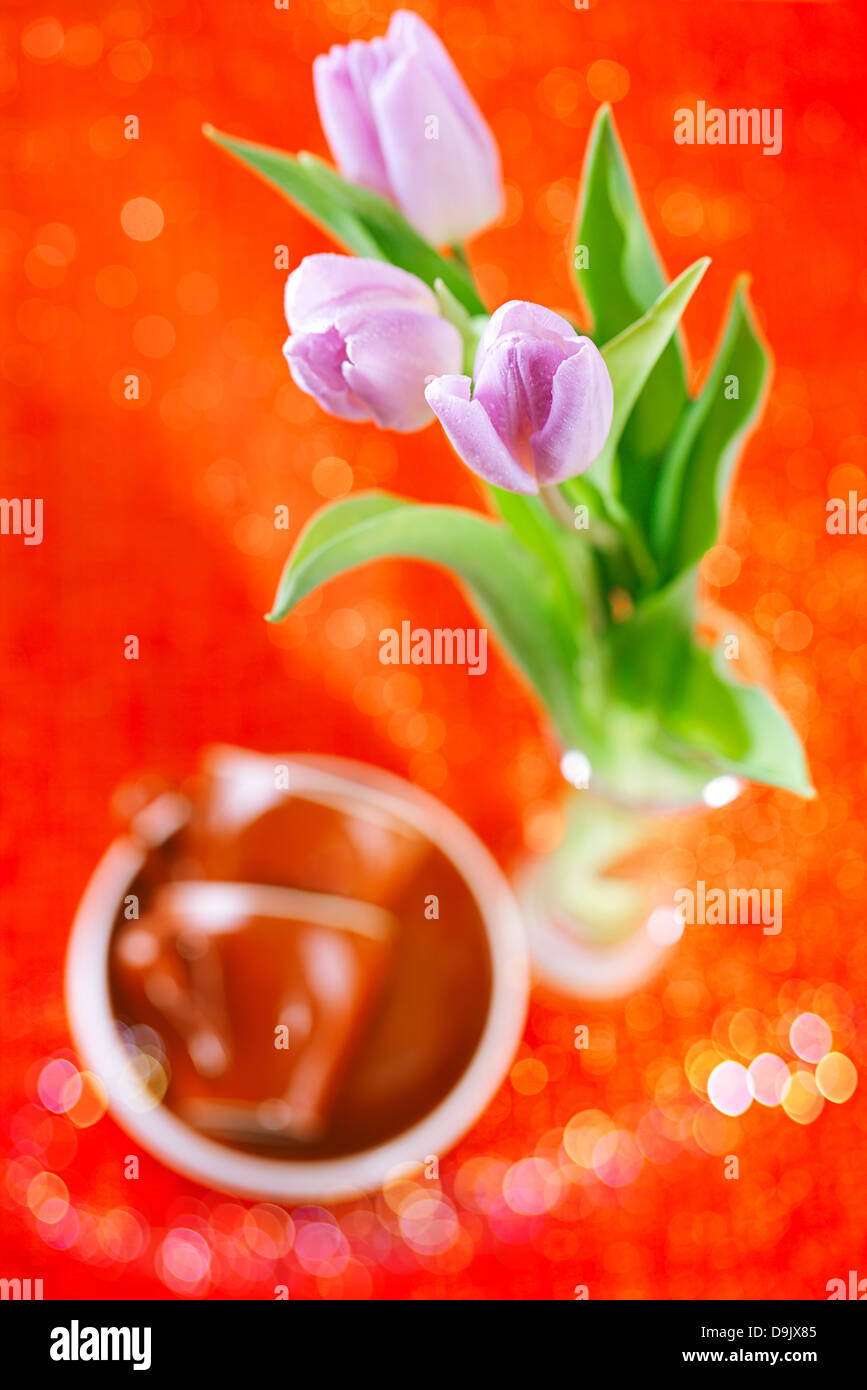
(810,1037)
(728,1088)
(836,1077)
(767,1078)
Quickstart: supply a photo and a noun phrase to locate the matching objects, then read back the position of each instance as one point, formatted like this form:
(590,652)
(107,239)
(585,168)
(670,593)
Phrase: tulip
(399,120)
(539,406)
(365,339)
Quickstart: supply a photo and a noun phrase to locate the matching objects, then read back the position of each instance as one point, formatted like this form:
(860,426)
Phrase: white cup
(182,1148)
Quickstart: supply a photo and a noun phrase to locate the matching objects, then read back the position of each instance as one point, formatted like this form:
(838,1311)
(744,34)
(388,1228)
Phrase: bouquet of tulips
(605,478)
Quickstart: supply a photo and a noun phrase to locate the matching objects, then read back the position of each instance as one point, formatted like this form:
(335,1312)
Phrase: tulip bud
(539,406)
(399,120)
(365,339)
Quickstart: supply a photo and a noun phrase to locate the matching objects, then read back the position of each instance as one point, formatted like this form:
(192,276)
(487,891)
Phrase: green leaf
(329,523)
(532,523)
(659,665)
(631,357)
(470,327)
(741,726)
(623,277)
(514,591)
(289,176)
(698,468)
(648,649)
(359,219)
(400,243)
(573,567)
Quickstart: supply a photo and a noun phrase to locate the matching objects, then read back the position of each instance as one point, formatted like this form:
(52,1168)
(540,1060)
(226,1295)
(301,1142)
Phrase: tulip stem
(582,566)
(459,251)
(614,529)
(638,552)
(557,505)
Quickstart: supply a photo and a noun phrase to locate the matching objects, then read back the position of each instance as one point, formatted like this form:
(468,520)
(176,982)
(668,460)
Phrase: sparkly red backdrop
(158,523)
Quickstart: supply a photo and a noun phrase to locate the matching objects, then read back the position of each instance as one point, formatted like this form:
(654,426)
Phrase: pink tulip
(365,339)
(539,406)
(399,120)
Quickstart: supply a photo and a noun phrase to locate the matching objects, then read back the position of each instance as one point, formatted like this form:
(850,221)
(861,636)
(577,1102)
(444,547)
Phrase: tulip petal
(327,283)
(316,363)
(341,83)
(515,384)
(391,357)
(582,403)
(408,34)
(377,101)
(520,316)
(473,435)
(446,186)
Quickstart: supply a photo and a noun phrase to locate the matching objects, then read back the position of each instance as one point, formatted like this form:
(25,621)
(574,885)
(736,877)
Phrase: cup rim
(206,1161)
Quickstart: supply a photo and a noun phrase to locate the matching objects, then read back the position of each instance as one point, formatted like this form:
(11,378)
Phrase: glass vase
(600,917)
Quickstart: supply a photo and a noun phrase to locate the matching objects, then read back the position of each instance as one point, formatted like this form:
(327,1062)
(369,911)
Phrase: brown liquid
(378,1012)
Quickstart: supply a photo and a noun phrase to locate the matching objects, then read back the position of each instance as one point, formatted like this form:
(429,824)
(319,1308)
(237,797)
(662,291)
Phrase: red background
(158,523)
